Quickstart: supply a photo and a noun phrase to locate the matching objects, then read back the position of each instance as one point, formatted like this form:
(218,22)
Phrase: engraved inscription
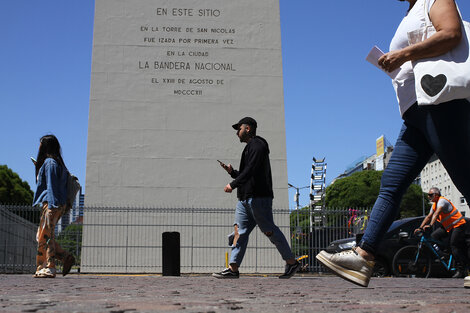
(188,49)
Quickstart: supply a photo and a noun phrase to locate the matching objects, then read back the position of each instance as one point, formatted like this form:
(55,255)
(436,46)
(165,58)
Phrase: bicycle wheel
(405,264)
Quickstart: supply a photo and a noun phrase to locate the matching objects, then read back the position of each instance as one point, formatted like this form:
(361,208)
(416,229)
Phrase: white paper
(373,58)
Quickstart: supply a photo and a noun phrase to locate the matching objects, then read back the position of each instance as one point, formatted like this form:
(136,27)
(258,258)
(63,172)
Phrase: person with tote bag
(439,124)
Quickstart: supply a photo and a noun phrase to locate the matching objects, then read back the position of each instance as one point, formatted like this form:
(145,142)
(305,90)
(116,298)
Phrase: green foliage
(413,202)
(358,190)
(70,239)
(13,190)
(300,230)
(299,220)
(361,190)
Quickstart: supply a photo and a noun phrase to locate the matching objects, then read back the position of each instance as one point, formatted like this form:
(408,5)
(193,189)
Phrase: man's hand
(417,230)
(228,188)
(226,167)
(426,227)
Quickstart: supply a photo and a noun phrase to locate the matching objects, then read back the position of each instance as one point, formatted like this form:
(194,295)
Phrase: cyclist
(453,225)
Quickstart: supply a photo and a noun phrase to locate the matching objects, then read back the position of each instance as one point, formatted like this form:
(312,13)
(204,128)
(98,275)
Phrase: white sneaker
(466,282)
(348,265)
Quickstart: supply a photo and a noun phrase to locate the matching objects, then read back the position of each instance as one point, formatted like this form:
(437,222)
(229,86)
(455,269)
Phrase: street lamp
(297,194)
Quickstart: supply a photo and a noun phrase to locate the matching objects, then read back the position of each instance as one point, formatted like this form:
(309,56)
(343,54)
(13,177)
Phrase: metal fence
(313,230)
(129,240)
(17,240)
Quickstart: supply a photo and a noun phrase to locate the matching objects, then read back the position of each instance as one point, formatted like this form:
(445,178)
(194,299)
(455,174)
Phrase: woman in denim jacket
(51,196)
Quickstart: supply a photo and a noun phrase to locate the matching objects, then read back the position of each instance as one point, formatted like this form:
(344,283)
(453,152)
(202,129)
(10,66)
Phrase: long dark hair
(49,148)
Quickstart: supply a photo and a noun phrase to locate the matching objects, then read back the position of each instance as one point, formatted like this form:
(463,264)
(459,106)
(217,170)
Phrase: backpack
(73,186)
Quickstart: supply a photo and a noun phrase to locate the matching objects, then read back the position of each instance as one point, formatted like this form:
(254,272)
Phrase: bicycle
(417,260)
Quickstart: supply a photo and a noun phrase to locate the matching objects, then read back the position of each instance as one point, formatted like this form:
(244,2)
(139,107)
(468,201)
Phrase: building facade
(435,175)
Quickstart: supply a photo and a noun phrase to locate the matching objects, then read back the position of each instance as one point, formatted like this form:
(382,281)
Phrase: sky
(336,103)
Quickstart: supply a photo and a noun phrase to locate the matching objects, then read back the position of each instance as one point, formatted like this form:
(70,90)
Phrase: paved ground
(151,293)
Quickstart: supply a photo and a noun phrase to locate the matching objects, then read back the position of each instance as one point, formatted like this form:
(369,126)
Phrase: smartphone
(33,160)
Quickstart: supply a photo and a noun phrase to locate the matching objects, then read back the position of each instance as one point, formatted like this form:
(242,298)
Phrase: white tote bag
(445,77)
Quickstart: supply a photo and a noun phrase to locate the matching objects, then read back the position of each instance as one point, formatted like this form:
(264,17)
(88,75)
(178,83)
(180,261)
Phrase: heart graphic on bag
(433,85)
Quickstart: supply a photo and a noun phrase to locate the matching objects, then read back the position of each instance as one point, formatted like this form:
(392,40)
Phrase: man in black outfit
(255,194)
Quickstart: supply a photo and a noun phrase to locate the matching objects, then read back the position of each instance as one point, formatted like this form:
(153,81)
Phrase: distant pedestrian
(51,196)
(427,129)
(255,194)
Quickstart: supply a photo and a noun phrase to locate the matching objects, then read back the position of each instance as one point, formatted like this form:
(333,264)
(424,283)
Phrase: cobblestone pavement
(152,293)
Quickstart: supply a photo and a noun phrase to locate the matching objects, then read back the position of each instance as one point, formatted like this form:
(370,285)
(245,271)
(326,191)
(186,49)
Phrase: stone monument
(168,80)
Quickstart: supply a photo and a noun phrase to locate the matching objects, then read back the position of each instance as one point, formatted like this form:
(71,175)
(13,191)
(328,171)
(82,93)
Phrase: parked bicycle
(417,260)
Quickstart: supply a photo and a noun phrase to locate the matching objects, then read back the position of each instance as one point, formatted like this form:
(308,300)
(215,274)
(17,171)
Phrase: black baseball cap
(246,120)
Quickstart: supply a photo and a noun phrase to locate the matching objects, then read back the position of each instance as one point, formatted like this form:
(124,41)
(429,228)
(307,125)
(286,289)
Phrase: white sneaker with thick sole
(348,265)
(466,282)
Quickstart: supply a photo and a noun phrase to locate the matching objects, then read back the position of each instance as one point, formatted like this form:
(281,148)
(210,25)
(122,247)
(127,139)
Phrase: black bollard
(171,254)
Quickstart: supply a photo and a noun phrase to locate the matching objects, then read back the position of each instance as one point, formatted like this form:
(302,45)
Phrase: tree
(358,190)
(413,202)
(300,230)
(70,239)
(361,190)
(13,190)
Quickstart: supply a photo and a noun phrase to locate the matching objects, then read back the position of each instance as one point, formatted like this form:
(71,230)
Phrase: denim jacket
(52,184)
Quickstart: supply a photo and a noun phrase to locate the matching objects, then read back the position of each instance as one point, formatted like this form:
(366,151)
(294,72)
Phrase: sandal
(45,273)
(38,271)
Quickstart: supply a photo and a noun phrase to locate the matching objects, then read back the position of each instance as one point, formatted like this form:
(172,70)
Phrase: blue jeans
(442,129)
(248,214)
